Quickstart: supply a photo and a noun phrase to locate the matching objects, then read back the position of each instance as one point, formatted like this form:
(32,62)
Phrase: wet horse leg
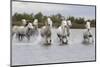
(49,39)
(28,37)
(59,36)
(19,36)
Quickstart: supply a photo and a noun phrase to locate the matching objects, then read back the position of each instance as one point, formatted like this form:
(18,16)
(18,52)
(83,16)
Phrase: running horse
(87,35)
(63,31)
(22,31)
(35,27)
(46,31)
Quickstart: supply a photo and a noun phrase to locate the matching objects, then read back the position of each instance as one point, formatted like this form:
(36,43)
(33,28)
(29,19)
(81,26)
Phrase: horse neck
(64,29)
(26,27)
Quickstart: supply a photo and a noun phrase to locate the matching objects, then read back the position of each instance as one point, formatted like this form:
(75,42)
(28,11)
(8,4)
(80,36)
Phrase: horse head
(35,22)
(24,22)
(69,23)
(49,22)
(30,25)
(64,24)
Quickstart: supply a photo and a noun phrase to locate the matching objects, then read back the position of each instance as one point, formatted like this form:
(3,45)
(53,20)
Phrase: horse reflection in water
(63,31)
(46,31)
(23,31)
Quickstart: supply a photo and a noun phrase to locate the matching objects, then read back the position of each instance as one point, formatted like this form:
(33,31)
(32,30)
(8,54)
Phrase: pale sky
(88,12)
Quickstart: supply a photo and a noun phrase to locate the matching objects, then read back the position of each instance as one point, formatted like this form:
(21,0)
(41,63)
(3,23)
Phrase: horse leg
(88,39)
(49,40)
(64,40)
(46,39)
(19,37)
(67,40)
(68,34)
(22,36)
(12,34)
(60,37)
(92,40)
(28,37)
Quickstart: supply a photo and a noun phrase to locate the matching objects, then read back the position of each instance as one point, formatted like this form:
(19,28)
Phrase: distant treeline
(76,22)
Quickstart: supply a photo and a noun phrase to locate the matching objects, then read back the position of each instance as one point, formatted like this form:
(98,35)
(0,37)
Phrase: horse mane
(26,24)
(28,21)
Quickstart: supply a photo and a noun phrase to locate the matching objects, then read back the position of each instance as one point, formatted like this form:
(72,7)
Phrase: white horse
(22,31)
(63,31)
(35,27)
(87,35)
(15,28)
(46,31)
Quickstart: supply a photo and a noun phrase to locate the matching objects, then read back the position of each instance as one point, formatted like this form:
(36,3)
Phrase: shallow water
(34,52)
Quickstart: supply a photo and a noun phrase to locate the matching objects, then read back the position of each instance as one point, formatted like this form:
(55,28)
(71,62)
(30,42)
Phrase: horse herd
(29,29)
